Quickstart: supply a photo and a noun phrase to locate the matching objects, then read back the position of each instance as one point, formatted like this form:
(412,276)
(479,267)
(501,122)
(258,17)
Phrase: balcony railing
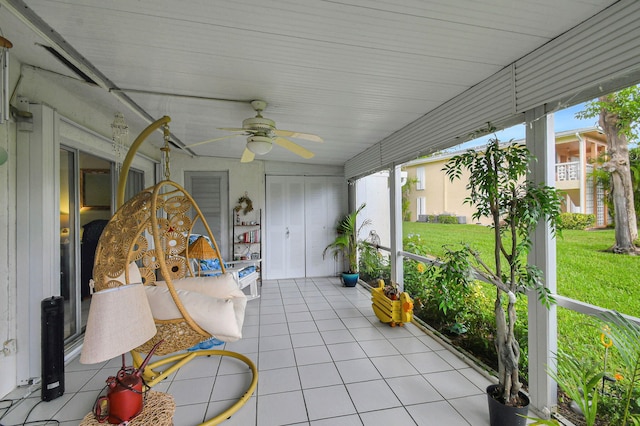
(567,171)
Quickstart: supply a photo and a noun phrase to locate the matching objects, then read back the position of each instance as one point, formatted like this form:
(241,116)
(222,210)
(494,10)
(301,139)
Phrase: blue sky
(563,120)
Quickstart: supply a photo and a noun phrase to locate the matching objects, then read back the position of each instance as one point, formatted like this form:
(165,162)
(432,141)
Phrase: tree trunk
(621,183)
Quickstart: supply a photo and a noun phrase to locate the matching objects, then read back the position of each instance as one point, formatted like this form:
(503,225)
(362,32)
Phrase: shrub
(448,219)
(373,264)
(579,221)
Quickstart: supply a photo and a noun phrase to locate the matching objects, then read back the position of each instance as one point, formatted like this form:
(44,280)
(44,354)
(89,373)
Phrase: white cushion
(215,304)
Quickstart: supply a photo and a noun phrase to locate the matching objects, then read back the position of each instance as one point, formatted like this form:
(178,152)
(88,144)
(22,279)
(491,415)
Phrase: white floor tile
(472,408)
(189,415)
(357,370)
(279,380)
(272,343)
(436,414)
(363,333)
(373,395)
(337,336)
(245,416)
(375,348)
(394,366)
(193,391)
(276,359)
(325,402)
(302,327)
(324,315)
(281,409)
(312,355)
(330,324)
(409,345)
(267,330)
(294,317)
(428,362)
(232,386)
(451,384)
(390,416)
(318,375)
(352,420)
(413,390)
(306,339)
(345,351)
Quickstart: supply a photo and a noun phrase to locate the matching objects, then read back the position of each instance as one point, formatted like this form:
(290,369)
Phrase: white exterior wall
(374,190)
(78,118)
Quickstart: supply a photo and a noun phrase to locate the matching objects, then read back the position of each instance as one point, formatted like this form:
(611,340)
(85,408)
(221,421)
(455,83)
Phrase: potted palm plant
(498,189)
(347,242)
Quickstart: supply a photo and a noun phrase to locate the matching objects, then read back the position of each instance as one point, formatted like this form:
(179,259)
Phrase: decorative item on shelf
(244,204)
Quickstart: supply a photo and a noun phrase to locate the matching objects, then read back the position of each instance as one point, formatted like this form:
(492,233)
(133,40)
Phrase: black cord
(13,403)
(29,413)
(6,409)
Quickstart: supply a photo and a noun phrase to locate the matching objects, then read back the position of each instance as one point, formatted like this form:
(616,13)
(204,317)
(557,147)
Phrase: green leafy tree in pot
(347,239)
(498,189)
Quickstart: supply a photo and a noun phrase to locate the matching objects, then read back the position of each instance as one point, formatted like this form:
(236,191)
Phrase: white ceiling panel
(353,71)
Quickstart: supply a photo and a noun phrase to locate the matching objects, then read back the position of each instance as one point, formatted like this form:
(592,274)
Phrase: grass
(584,272)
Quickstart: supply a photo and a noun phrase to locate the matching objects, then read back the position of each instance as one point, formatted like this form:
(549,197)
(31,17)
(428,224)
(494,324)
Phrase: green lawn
(584,272)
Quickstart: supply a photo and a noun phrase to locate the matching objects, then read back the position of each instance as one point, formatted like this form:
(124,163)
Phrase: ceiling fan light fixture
(259,145)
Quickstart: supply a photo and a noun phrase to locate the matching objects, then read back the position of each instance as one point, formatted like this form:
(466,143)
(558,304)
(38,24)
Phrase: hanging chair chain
(166,150)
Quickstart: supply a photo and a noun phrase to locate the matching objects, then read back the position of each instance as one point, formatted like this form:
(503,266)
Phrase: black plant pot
(505,415)
(350,280)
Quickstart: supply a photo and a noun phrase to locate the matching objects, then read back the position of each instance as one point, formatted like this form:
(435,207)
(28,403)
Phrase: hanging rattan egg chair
(147,240)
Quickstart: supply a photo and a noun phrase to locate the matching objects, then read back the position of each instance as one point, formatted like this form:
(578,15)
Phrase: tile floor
(323,358)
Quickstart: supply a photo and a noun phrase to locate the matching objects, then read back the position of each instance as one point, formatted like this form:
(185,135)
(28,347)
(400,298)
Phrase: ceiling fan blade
(232,129)
(294,147)
(298,135)
(212,140)
(247,156)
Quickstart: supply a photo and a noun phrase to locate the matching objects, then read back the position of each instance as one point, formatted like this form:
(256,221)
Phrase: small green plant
(626,339)
(578,221)
(347,240)
(373,265)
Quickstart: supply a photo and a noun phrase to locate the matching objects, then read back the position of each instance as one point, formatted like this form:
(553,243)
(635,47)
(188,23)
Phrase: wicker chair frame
(152,229)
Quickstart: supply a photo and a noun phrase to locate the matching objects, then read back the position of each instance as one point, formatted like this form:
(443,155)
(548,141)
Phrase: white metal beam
(395,216)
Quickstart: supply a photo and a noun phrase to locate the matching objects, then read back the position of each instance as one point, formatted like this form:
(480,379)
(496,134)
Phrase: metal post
(395,217)
(542,321)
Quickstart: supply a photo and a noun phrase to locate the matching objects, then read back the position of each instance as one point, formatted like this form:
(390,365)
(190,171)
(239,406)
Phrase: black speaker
(52,310)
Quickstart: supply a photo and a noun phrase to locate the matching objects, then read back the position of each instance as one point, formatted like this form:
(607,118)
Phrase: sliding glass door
(87,193)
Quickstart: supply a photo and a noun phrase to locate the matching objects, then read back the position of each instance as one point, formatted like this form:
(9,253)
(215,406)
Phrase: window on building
(420,178)
(422,206)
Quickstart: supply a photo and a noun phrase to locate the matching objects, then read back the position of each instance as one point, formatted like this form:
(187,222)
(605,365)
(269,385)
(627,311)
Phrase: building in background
(433,194)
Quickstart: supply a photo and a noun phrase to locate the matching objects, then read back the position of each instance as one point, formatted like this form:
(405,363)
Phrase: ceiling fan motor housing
(259,124)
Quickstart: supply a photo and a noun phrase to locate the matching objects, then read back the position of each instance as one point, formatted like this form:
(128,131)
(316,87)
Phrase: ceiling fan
(261,134)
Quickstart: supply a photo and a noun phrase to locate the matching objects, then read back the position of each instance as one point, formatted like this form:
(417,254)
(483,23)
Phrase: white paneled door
(301,214)
(325,203)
